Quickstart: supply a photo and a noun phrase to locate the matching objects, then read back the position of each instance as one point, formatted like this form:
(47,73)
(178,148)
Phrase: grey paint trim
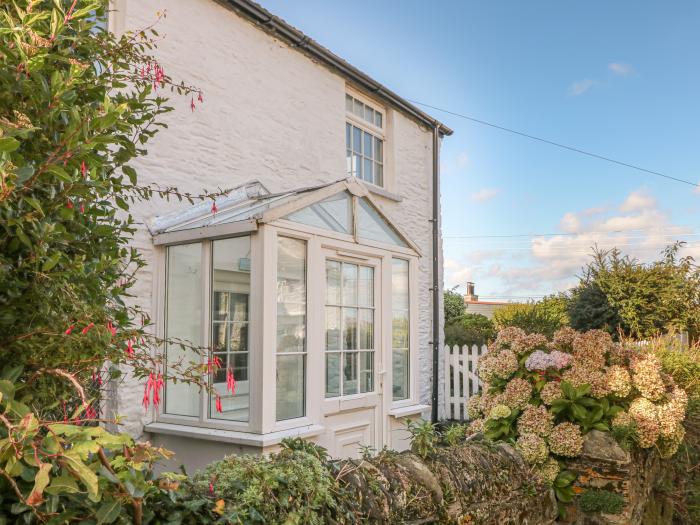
(275,25)
(205,232)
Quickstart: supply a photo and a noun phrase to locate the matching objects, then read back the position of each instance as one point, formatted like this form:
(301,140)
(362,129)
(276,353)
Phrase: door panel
(352,354)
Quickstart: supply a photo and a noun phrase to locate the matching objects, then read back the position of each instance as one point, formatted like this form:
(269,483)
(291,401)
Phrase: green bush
(470,329)
(603,501)
(542,317)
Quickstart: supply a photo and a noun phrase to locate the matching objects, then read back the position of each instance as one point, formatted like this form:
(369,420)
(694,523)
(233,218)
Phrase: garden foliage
(546,395)
(77,105)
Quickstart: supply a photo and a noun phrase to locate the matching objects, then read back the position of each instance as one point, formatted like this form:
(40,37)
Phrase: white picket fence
(461,381)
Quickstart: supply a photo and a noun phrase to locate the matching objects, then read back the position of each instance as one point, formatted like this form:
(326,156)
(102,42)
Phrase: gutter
(276,25)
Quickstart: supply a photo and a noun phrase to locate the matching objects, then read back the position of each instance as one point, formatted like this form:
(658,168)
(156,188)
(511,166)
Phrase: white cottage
(317,282)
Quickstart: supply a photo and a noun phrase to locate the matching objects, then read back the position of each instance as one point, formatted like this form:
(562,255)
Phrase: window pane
(358,108)
(400,338)
(331,214)
(399,284)
(332,328)
(349,328)
(348,162)
(349,284)
(348,103)
(378,119)
(372,226)
(366,322)
(291,295)
(378,150)
(367,171)
(290,386)
(366,371)
(367,147)
(399,329)
(348,136)
(183,321)
(366,286)
(379,174)
(332,374)
(350,376)
(356,139)
(357,165)
(231,286)
(369,114)
(400,374)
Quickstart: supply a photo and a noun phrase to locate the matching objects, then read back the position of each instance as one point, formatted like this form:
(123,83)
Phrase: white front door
(353,364)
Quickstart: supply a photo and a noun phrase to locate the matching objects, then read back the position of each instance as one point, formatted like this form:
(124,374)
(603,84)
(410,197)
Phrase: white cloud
(638,200)
(462,160)
(581,86)
(570,223)
(620,68)
(485,194)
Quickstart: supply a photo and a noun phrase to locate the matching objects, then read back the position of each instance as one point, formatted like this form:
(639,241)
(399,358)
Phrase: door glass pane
(366,372)
(366,321)
(230,280)
(332,328)
(290,386)
(349,328)
(372,226)
(183,321)
(349,284)
(332,374)
(400,375)
(332,282)
(366,286)
(350,376)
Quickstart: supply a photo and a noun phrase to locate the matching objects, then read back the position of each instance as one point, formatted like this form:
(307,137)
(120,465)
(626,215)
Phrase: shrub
(470,329)
(546,395)
(453,304)
(542,317)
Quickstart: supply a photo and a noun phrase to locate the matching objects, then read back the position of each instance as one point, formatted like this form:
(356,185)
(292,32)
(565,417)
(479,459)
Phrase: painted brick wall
(272,114)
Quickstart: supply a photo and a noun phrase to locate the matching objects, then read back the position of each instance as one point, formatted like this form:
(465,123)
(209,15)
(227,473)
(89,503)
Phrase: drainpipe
(436,270)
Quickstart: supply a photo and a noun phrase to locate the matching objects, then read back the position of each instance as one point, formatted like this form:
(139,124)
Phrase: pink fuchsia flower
(130,348)
(69,205)
(211,488)
(111,329)
(69,329)
(157,386)
(230,382)
(214,209)
(150,384)
(87,328)
(200,97)
(192,104)
(219,409)
(83,168)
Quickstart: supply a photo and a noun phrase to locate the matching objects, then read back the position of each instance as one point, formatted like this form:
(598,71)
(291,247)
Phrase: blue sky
(621,79)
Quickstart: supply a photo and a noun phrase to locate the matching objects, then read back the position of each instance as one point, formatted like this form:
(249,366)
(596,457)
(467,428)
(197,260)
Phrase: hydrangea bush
(544,396)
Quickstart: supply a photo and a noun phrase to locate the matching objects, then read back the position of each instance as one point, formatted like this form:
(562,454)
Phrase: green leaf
(87,476)
(40,482)
(63,484)
(59,172)
(579,412)
(8,144)
(603,427)
(108,512)
(51,262)
(7,389)
(568,390)
(34,204)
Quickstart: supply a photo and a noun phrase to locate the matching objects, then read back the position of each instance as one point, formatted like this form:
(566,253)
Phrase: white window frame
(371,128)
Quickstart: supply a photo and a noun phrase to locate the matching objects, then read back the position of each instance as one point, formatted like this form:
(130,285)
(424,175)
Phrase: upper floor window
(364,141)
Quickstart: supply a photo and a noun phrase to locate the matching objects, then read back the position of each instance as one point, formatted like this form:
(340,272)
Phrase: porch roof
(251,204)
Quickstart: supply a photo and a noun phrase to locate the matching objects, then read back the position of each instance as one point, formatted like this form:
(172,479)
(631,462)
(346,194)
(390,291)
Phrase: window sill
(233,436)
(377,190)
(410,410)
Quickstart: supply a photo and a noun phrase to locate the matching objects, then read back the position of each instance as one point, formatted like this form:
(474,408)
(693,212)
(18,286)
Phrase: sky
(619,79)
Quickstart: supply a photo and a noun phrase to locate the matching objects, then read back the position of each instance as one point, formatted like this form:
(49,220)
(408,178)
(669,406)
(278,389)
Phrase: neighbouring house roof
(276,26)
(485,302)
(250,204)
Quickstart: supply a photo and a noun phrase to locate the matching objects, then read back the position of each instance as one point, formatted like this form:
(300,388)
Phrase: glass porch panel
(332,374)
(332,214)
(291,370)
(400,336)
(400,373)
(366,371)
(350,373)
(372,226)
(230,280)
(291,328)
(183,321)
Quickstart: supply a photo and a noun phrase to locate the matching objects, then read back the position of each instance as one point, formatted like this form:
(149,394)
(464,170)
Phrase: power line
(563,234)
(557,144)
